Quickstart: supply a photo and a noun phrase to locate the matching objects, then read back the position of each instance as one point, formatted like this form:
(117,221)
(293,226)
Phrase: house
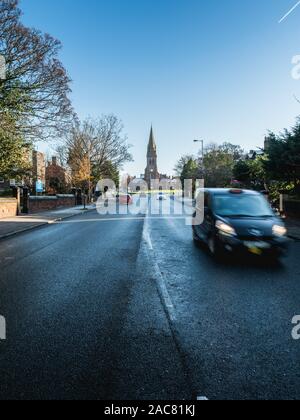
(57,178)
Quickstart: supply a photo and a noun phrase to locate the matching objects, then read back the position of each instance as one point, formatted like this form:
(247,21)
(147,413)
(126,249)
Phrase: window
(243,205)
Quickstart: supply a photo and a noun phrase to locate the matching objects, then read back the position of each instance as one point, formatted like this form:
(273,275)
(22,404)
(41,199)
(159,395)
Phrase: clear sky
(214,70)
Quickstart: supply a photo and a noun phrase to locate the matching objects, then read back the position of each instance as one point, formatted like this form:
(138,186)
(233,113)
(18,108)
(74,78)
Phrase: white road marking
(147,237)
(289,12)
(163,290)
(158,274)
(2,328)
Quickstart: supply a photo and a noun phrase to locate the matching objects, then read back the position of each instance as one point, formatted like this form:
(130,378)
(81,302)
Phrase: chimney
(54,161)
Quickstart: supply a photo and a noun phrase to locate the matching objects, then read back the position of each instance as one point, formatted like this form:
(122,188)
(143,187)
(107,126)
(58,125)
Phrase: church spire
(152,144)
(151,172)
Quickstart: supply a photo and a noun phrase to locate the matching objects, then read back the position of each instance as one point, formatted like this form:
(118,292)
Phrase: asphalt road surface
(127,307)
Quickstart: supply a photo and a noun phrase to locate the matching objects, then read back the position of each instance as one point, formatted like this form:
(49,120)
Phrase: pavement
(127,307)
(15,225)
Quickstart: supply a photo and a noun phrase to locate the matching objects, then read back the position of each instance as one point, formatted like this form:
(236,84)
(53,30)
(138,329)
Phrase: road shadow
(242,261)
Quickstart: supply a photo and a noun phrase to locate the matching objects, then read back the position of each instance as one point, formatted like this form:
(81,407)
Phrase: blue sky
(219,71)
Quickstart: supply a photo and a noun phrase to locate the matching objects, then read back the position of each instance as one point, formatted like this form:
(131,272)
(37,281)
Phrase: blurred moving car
(124,199)
(240,221)
(161,196)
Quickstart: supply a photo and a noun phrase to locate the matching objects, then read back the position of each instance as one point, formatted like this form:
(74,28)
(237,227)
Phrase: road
(127,307)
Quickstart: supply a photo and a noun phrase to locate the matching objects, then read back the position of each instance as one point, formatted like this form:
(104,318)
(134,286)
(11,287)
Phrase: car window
(242,205)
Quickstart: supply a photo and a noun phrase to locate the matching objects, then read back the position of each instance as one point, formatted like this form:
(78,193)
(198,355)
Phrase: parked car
(125,199)
(240,221)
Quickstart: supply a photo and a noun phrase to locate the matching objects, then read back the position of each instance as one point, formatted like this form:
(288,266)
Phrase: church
(151,171)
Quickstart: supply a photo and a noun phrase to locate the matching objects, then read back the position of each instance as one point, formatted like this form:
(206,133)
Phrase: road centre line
(158,274)
(167,303)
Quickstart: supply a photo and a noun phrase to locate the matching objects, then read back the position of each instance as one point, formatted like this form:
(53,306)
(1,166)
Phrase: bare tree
(36,88)
(96,149)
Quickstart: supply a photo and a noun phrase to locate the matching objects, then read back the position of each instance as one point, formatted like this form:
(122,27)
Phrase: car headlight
(225,228)
(279,230)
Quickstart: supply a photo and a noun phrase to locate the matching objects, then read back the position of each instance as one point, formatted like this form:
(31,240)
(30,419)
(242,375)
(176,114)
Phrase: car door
(203,229)
(207,226)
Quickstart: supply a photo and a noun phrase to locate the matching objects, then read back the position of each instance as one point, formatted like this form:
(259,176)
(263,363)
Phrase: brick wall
(8,207)
(66,200)
(38,204)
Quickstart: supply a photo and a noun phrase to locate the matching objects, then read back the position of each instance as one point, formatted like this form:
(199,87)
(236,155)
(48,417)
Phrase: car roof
(222,191)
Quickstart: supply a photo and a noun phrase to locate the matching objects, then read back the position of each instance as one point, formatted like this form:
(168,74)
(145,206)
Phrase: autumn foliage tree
(96,149)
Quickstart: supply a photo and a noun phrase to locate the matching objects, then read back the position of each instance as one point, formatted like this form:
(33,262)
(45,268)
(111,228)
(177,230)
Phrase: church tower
(151,172)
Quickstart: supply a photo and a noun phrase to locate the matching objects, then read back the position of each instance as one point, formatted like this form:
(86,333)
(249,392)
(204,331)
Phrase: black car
(238,221)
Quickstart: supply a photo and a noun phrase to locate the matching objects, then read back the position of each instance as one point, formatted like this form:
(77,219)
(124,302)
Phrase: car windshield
(242,205)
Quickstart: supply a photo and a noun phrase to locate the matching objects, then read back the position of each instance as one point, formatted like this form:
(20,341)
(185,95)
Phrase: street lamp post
(202,147)
(201,160)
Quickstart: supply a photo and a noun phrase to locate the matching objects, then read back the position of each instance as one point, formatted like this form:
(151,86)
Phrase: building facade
(38,167)
(36,171)
(57,178)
